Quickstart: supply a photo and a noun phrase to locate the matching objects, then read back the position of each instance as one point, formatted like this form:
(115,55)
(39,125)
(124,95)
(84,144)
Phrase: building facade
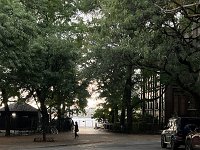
(164,102)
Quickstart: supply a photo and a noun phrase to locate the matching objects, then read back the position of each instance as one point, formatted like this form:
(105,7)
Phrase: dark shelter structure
(22,117)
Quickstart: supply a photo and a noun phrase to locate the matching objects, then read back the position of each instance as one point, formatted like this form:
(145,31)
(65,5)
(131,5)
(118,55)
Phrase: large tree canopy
(17,29)
(42,41)
(52,74)
(155,35)
(39,51)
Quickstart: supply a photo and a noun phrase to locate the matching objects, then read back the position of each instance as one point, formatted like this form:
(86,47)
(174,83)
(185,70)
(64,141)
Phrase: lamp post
(110,117)
(14,117)
(110,109)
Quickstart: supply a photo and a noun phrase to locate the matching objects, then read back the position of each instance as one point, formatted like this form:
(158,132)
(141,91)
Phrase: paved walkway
(86,136)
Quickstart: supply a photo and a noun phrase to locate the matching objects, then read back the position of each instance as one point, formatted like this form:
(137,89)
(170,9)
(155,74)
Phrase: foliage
(55,51)
(51,76)
(17,29)
(39,51)
(144,124)
(41,43)
(100,115)
(156,36)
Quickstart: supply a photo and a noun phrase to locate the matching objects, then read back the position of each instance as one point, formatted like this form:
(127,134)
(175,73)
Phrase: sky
(94,100)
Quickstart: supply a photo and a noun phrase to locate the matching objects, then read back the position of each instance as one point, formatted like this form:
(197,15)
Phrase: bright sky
(94,100)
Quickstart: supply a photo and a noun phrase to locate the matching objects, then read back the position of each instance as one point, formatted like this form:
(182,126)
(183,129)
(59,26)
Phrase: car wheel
(173,145)
(188,145)
(163,144)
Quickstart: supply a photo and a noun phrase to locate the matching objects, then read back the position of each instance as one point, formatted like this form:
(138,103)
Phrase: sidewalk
(86,136)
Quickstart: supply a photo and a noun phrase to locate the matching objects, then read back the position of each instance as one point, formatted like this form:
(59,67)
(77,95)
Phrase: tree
(137,34)
(110,57)
(103,113)
(50,76)
(17,29)
(52,71)
(176,24)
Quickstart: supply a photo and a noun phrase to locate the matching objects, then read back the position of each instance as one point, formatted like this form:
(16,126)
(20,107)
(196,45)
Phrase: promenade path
(86,136)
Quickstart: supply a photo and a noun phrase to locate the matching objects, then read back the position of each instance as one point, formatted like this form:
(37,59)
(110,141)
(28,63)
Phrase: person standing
(76,130)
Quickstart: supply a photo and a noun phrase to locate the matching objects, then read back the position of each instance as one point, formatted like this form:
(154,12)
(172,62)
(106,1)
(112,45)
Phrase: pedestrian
(76,130)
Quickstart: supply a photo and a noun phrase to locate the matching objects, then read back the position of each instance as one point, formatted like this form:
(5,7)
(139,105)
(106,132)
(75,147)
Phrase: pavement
(86,136)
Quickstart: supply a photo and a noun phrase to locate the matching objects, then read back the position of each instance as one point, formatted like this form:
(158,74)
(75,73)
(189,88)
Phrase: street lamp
(14,124)
(14,115)
(110,117)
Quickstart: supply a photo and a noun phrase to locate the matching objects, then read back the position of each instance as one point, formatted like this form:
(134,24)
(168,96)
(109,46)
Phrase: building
(23,117)
(164,102)
(153,97)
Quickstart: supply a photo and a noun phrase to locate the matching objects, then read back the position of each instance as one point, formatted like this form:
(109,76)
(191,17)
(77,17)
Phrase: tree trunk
(45,120)
(143,86)
(126,102)
(128,89)
(45,117)
(115,114)
(7,112)
(7,120)
(59,118)
(122,117)
(61,111)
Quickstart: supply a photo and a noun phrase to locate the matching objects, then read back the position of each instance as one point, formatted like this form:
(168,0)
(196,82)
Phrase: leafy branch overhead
(161,37)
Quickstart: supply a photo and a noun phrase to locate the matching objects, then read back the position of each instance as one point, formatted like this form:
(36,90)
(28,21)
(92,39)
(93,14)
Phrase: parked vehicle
(176,131)
(192,140)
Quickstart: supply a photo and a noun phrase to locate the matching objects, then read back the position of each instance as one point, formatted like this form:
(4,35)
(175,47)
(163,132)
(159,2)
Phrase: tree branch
(175,10)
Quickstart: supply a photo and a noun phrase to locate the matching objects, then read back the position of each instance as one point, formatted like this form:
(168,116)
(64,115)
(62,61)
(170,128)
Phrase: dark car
(192,140)
(176,131)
